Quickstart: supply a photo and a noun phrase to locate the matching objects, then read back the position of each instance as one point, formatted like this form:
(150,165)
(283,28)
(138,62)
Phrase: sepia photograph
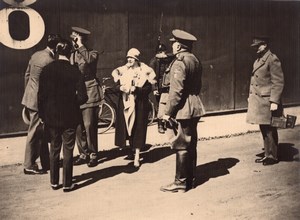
(149,109)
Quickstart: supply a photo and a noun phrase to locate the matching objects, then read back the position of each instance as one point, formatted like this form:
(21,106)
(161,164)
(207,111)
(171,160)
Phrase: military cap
(258,40)
(180,35)
(80,31)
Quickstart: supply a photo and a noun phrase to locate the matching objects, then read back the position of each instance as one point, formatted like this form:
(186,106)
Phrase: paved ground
(229,184)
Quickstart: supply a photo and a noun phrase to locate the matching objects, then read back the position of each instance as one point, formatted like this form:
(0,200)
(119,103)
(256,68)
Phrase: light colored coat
(37,62)
(266,86)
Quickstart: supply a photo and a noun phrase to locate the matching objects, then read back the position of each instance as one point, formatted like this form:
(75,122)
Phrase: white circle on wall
(36,29)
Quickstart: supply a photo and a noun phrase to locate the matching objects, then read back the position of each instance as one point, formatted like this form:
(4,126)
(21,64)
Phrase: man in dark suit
(87,132)
(36,144)
(266,86)
(185,107)
(61,91)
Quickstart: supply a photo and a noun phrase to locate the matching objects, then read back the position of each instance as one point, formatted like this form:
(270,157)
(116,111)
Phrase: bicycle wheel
(106,118)
(151,114)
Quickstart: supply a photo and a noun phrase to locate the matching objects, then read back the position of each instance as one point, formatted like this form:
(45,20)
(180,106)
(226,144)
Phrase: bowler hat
(258,40)
(80,31)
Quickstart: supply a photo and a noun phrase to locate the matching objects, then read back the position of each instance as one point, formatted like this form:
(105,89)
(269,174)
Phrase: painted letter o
(36,29)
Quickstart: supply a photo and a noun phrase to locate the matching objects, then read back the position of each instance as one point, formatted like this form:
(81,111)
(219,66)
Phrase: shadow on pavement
(95,176)
(214,169)
(156,154)
(150,156)
(286,152)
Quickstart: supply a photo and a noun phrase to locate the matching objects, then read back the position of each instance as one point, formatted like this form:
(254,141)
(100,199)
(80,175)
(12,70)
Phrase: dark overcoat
(139,130)
(61,92)
(266,86)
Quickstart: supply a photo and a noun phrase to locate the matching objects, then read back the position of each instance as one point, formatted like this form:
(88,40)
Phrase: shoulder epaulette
(180,57)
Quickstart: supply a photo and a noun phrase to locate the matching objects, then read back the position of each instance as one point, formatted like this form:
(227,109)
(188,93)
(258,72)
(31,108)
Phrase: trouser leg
(55,147)
(270,138)
(44,152)
(81,140)
(68,138)
(32,149)
(90,125)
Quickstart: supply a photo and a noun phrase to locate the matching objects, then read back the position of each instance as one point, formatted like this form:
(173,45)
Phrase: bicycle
(107,114)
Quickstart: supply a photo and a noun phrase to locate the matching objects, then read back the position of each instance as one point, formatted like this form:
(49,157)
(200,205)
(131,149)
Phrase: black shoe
(92,163)
(260,160)
(55,186)
(33,171)
(174,187)
(79,161)
(70,188)
(269,161)
(161,130)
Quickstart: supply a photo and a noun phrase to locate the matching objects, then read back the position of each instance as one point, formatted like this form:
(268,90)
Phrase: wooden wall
(224,29)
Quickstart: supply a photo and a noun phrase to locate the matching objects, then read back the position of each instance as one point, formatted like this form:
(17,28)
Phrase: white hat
(134,53)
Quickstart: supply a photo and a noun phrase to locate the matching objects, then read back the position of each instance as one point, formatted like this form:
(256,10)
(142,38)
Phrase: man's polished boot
(181,177)
(176,186)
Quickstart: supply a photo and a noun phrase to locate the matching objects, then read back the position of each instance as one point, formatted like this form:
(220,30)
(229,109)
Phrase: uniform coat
(185,85)
(87,132)
(266,86)
(185,105)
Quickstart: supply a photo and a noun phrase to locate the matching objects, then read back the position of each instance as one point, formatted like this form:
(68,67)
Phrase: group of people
(63,97)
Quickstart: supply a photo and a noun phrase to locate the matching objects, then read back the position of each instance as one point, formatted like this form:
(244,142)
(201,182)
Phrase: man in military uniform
(160,64)
(87,135)
(185,107)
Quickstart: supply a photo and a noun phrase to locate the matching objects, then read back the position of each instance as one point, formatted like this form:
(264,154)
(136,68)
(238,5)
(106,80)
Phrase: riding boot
(182,167)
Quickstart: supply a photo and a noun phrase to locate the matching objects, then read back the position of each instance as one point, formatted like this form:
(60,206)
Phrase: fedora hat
(259,40)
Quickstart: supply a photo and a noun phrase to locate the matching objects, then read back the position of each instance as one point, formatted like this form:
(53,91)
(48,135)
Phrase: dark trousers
(186,159)
(36,143)
(87,133)
(270,137)
(61,137)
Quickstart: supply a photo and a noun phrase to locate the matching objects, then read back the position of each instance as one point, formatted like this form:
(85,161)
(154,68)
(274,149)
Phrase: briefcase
(284,122)
(278,122)
(290,121)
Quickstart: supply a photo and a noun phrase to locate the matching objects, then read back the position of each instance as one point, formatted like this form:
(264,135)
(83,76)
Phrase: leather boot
(181,177)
